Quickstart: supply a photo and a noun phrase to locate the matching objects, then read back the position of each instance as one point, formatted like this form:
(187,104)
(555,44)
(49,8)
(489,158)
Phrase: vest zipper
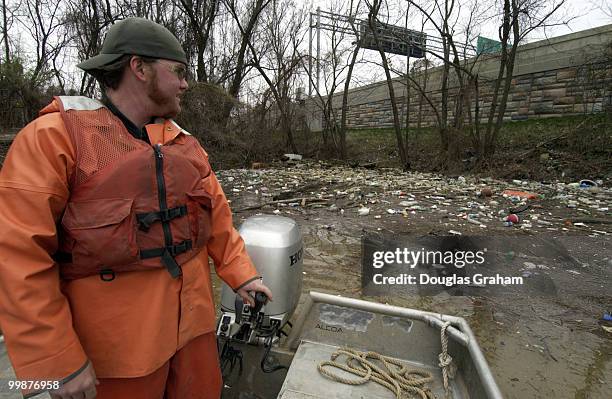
(167,258)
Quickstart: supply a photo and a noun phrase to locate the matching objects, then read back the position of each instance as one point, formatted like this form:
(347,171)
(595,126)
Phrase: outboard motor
(275,246)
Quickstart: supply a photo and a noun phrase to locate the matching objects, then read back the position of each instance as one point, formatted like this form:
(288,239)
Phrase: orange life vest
(132,206)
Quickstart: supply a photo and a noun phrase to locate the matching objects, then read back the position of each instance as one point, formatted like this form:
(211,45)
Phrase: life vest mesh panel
(106,142)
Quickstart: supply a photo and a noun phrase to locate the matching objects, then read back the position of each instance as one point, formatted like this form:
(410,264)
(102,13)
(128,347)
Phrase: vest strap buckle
(145,220)
(167,254)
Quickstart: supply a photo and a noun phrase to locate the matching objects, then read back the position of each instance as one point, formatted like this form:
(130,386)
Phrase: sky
(589,14)
(586,14)
(582,15)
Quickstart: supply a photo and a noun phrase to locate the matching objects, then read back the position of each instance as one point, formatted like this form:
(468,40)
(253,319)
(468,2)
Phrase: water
(538,346)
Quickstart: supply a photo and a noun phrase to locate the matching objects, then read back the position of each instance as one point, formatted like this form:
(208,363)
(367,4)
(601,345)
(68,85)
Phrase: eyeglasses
(179,70)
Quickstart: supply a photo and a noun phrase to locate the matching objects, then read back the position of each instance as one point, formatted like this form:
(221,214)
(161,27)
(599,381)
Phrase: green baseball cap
(137,36)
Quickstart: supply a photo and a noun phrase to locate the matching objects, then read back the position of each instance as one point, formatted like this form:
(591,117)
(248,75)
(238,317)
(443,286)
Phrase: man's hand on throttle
(257,286)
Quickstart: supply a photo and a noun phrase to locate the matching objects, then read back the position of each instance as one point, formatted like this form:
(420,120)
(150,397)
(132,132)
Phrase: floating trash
(363,211)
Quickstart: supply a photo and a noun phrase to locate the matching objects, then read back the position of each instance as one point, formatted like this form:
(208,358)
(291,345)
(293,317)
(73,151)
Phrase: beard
(167,106)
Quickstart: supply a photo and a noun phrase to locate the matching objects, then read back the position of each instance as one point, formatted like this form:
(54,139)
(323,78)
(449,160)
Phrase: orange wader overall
(92,270)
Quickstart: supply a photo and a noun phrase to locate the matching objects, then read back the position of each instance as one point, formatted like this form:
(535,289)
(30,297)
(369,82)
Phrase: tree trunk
(343,116)
(406,138)
(246,33)
(488,144)
(508,81)
(7,53)
(372,18)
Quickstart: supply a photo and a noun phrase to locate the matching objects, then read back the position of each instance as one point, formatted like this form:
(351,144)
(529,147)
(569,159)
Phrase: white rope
(395,376)
(395,379)
(445,360)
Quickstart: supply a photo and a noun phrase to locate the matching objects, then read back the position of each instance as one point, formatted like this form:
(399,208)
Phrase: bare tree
(520,17)
(604,6)
(456,57)
(42,24)
(5,29)
(331,66)
(337,68)
(252,17)
(279,60)
(374,25)
(347,82)
(87,20)
(345,93)
(42,19)
(200,17)
(353,11)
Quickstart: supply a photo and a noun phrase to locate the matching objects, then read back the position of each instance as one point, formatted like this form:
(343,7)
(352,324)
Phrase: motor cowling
(275,245)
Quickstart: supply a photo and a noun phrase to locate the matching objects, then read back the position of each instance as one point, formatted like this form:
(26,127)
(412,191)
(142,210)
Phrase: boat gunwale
(459,330)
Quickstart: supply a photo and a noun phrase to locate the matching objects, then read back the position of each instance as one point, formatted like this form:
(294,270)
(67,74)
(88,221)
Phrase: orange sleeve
(34,314)
(226,247)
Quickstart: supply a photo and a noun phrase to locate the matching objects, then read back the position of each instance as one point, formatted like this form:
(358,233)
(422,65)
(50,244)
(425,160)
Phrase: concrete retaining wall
(565,75)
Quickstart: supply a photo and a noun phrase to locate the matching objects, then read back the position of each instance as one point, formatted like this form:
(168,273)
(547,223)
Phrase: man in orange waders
(108,214)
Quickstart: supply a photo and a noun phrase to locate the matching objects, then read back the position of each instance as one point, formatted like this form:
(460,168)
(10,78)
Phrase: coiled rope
(394,375)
